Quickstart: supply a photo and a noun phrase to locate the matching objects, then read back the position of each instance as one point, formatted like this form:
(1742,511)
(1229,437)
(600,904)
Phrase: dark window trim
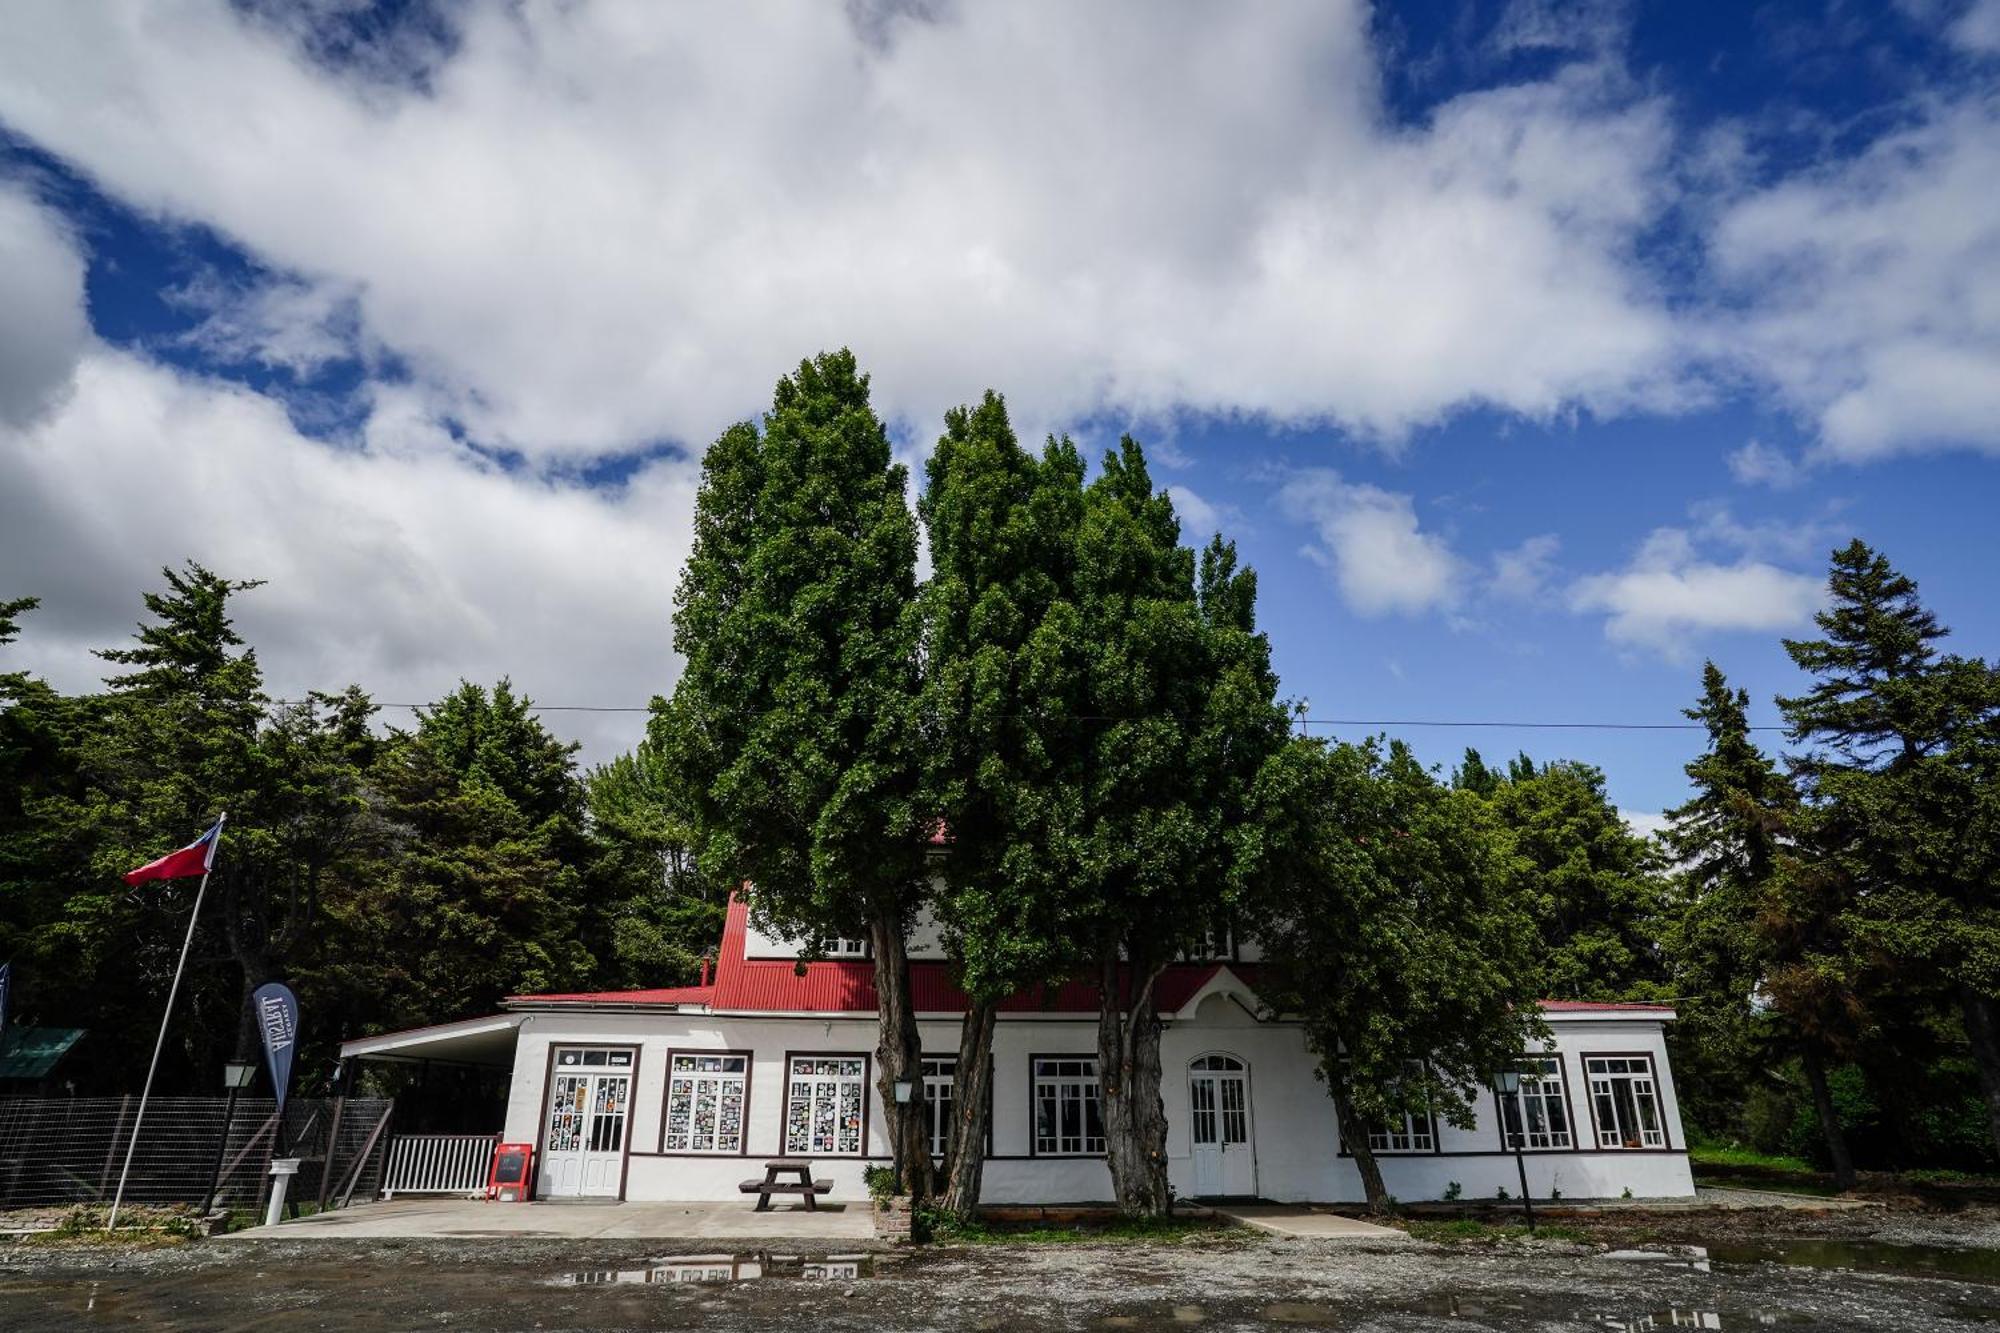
(548,1089)
(1583,1059)
(1569,1109)
(867,1098)
(667,1092)
(1033,1153)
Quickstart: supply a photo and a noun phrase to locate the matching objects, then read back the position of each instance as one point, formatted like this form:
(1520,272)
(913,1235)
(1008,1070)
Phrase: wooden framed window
(826,1104)
(1537,1115)
(840,946)
(1625,1101)
(939,1071)
(1412,1133)
(1069,1107)
(708,1098)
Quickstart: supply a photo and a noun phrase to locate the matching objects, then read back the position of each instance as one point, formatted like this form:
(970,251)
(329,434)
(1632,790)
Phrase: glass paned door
(1224,1160)
(583,1140)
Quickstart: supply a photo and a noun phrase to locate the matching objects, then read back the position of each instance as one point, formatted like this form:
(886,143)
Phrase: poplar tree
(1390,931)
(1181,717)
(1903,749)
(795,716)
(1003,696)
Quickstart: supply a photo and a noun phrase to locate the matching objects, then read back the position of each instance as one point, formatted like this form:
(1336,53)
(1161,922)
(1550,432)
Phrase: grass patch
(1472,1231)
(946,1230)
(1734,1156)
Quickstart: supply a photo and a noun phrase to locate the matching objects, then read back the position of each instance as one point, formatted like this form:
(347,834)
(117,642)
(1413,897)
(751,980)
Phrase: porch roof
(485,1041)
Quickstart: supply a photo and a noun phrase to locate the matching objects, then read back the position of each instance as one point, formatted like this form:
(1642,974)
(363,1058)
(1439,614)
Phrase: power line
(1305,721)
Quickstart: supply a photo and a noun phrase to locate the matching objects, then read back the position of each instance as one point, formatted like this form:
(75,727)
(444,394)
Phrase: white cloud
(1370,540)
(1871,287)
(1669,594)
(1978,28)
(1644,823)
(1522,573)
(1201,519)
(594,225)
(1758,464)
(401,562)
(42,325)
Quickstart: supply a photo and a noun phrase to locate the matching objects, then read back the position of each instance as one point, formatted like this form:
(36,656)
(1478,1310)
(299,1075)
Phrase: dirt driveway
(1234,1282)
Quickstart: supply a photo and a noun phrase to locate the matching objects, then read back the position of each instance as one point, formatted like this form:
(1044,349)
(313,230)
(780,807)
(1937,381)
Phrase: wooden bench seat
(764,1189)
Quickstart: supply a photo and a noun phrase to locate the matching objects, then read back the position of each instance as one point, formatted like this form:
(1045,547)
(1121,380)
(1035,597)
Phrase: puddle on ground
(725,1268)
(1867,1257)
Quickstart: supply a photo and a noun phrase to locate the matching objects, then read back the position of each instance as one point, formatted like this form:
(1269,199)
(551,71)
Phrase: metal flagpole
(160,1042)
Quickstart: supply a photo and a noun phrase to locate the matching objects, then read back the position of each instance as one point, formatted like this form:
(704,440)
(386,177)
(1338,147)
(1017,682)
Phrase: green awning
(33,1052)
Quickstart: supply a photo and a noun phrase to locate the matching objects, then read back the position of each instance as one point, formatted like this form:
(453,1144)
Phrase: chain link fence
(68,1150)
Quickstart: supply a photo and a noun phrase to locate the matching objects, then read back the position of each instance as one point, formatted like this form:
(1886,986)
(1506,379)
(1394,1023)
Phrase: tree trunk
(1982,1030)
(899,1053)
(1829,1119)
(971,1097)
(1128,1075)
(1355,1136)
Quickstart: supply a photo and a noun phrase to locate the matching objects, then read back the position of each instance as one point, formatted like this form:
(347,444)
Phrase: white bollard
(282,1171)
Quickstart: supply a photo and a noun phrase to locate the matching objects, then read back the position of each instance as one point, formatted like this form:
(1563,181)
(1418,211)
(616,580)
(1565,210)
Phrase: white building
(681,1094)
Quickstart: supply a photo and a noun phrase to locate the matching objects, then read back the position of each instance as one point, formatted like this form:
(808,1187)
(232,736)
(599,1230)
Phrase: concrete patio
(1287,1219)
(471,1219)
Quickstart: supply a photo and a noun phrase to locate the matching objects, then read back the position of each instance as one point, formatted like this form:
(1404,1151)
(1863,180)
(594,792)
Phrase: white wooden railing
(438,1164)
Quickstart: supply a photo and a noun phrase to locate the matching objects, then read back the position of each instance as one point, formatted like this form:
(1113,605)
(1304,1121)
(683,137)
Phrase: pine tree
(1739,871)
(1901,755)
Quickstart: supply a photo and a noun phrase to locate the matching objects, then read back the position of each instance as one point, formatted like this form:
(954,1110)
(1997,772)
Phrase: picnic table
(801,1183)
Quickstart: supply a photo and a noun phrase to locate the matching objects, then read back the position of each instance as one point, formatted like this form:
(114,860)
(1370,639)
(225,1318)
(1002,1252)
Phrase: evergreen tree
(1900,763)
(795,717)
(1003,689)
(1391,932)
(652,914)
(1592,885)
(1181,717)
(478,891)
(1733,941)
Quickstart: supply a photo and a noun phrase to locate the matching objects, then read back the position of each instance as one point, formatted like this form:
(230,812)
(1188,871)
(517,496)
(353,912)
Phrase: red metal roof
(847,986)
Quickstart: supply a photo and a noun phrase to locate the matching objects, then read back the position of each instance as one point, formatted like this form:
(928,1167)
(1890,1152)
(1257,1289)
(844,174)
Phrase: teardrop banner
(277,1011)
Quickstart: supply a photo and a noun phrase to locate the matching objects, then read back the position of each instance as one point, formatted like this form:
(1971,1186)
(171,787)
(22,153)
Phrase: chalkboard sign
(507,1179)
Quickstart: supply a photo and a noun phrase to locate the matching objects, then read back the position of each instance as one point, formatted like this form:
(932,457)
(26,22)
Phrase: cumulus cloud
(1200,519)
(1370,540)
(42,324)
(1978,28)
(1870,287)
(585,226)
(1669,594)
(1758,464)
(1522,573)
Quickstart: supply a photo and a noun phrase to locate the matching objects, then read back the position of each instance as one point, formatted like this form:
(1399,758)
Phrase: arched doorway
(1225,1159)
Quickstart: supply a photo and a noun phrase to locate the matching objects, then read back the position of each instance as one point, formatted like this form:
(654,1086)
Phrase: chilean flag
(193,859)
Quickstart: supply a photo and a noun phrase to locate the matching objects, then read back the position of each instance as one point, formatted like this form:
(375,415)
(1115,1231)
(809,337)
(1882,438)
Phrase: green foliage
(945,1229)
(881,1182)
(1592,886)
(1391,931)
(795,715)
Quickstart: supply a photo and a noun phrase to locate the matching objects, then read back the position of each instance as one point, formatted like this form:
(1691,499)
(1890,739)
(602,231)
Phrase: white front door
(583,1141)
(1225,1163)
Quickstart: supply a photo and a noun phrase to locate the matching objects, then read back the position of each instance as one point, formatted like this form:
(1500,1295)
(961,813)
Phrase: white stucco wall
(1296,1140)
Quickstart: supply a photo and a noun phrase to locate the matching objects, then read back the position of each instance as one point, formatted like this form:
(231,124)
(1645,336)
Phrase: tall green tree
(1390,930)
(1004,691)
(1900,758)
(1593,886)
(796,715)
(1747,962)
(653,913)
(477,890)
(1182,716)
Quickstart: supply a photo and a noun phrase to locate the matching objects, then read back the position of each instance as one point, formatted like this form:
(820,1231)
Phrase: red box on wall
(513,1166)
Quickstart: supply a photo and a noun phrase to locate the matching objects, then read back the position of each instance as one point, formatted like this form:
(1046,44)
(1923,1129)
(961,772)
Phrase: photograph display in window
(705,1100)
(823,1105)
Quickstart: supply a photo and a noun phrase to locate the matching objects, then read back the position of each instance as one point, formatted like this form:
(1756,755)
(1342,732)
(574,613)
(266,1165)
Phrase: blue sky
(1532,351)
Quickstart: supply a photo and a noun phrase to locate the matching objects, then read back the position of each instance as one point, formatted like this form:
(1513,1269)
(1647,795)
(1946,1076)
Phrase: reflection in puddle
(1867,1256)
(1646,1323)
(724,1268)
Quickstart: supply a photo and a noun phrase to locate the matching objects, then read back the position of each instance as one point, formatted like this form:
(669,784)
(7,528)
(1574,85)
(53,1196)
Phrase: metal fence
(438,1164)
(60,1150)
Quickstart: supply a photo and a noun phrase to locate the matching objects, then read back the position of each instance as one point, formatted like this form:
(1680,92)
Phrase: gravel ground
(1234,1282)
